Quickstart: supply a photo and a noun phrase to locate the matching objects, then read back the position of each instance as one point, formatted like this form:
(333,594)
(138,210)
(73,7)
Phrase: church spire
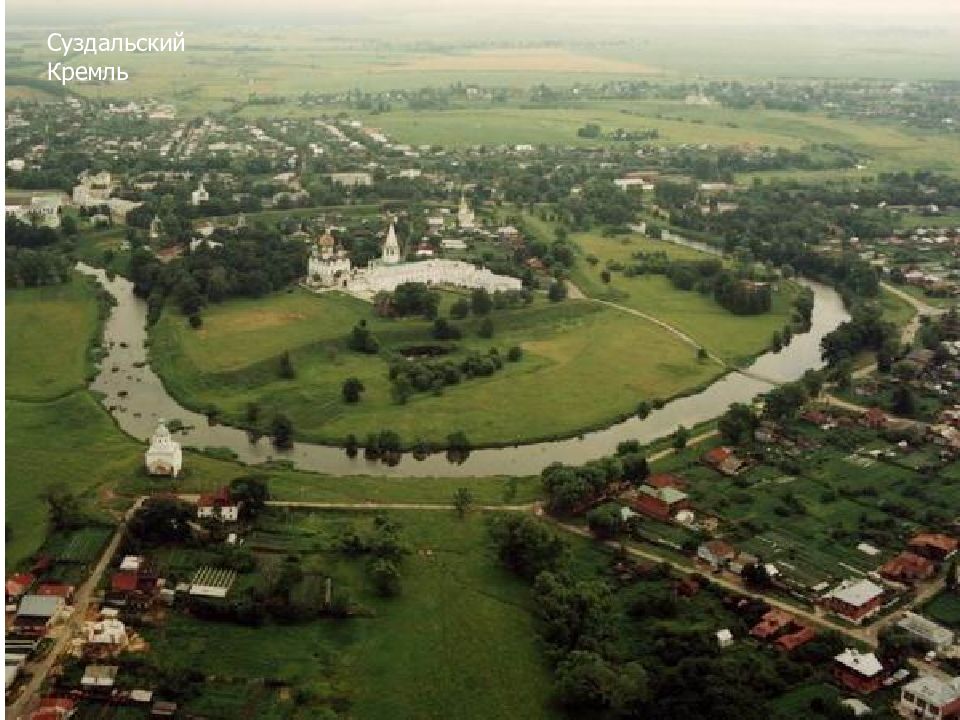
(391,247)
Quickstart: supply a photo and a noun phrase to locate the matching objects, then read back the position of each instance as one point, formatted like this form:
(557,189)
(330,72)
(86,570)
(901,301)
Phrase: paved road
(29,695)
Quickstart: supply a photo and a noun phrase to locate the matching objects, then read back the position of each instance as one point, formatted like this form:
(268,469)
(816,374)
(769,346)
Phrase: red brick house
(723,460)
(658,503)
(857,671)
(664,480)
(773,622)
(54,589)
(791,641)
(18,584)
(935,546)
(854,599)
(908,567)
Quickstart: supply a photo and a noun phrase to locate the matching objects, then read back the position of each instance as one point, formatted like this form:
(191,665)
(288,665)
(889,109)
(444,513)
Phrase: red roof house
(791,641)
(772,623)
(663,480)
(857,671)
(658,503)
(908,567)
(55,589)
(18,584)
(875,418)
(123,582)
(935,546)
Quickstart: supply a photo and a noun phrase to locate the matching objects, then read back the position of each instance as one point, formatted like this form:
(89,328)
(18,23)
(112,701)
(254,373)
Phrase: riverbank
(137,399)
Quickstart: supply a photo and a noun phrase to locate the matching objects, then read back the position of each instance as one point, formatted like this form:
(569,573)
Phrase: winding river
(136,398)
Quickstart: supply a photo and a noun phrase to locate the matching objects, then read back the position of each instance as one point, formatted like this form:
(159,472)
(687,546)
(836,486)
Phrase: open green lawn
(48,334)
(735,338)
(584,365)
(57,434)
(944,608)
(459,641)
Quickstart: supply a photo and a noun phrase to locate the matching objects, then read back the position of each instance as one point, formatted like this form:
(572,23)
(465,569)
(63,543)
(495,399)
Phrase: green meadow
(459,640)
(584,365)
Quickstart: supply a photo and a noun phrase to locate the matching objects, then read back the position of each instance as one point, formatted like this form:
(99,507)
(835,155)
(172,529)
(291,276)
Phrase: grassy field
(944,608)
(57,434)
(48,335)
(735,338)
(437,650)
(583,366)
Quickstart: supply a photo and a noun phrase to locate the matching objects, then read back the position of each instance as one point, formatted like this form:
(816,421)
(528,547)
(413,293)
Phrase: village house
(664,480)
(658,503)
(36,613)
(716,553)
(791,641)
(742,561)
(724,638)
(857,671)
(18,584)
(772,623)
(875,419)
(930,698)
(854,599)
(933,635)
(54,708)
(724,461)
(936,546)
(99,677)
(55,589)
(200,195)
(105,637)
(219,506)
(164,456)
(908,567)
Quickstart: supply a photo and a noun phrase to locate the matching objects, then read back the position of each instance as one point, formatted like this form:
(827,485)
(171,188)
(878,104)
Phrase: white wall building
(930,698)
(164,456)
(465,216)
(387,273)
(200,195)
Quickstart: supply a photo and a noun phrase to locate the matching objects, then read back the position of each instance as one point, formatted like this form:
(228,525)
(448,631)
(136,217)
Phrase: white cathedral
(331,268)
(164,456)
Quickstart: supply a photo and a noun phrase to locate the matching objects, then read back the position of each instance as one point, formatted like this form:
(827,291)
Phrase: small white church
(164,456)
(332,269)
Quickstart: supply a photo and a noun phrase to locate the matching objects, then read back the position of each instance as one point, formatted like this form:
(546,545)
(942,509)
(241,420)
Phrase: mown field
(459,640)
(583,365)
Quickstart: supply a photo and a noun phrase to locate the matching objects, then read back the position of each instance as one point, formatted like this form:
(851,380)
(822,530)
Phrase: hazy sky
(725,12)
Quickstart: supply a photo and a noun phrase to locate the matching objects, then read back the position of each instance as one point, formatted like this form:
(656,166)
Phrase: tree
(480,302)
(351,389)
(585,679)
(605,276)
(605,521)
(386,577)
(486,328)
(904,403)
(460,309)
(525,546)
(161,520)
(515,353)
(557,291)
(785,401)
(252,492)
(282,430)
(62,507)
(462,500)
(680,437)
(286,366)
(737,424)
(68,225)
